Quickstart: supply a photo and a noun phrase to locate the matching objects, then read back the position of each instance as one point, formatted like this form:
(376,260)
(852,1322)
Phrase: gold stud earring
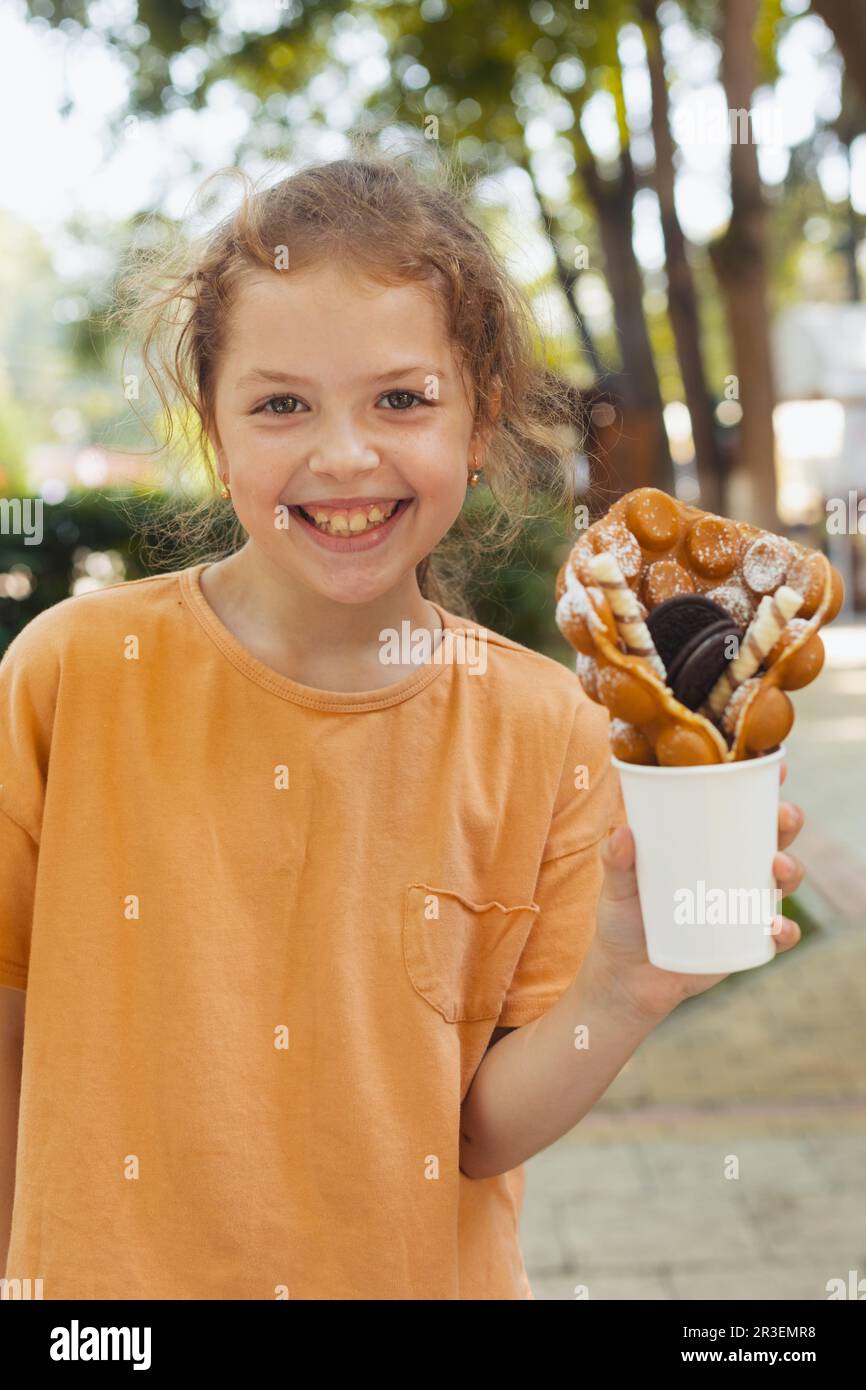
(475,474)
(225,492)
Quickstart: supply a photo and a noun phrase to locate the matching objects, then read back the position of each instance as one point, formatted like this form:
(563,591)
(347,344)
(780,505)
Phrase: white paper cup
(705,840)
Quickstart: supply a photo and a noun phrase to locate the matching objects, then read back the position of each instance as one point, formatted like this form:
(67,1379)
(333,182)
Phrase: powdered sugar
(618,541)
(574,603)
(713,546)
(766,562)
(587,670)
(795,626)
(732,709)
(790,634)
(735,600)
(568,610)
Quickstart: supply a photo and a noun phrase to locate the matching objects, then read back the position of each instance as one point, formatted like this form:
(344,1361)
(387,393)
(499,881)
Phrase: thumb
(617,856)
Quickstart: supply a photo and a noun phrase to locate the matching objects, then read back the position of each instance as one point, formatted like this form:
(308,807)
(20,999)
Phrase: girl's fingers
(791,820)
(785,934)
(617,856)
(617,849)
(789,872)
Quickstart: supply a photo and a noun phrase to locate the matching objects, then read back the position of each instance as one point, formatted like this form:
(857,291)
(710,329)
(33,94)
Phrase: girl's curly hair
(396,224)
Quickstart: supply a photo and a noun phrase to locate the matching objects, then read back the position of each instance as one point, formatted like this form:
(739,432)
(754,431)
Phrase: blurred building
(820,358)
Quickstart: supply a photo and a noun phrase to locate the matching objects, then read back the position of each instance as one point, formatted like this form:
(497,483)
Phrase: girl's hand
(619,947)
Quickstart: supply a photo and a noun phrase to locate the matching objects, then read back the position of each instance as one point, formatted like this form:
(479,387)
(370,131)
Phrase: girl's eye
(278,412)
(411,398)
(414,398)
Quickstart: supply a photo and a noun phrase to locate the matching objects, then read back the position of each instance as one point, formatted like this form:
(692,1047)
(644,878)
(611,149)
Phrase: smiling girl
(306,935)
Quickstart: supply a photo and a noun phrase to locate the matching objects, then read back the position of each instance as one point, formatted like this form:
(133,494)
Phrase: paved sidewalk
(766,1071)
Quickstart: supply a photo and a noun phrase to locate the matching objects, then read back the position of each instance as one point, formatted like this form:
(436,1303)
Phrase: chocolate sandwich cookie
(677,620)
(702,661)
(691,646)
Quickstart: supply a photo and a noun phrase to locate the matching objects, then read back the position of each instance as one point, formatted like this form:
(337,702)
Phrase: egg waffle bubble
(665,548)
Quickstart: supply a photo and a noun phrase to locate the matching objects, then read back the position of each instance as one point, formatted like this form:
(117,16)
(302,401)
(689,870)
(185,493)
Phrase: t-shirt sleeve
(18,856)
(27,700)
(588,805)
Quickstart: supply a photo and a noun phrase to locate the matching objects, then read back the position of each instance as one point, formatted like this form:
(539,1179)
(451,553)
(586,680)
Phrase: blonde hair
(394,224)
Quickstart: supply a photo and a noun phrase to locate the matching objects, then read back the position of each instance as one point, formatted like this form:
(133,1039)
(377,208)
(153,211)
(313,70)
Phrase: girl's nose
(342,463)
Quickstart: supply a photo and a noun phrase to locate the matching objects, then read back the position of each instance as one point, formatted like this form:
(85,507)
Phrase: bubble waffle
(663,549)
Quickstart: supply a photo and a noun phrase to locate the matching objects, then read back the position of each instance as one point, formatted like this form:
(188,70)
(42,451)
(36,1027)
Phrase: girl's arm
(11,1049)
(535,1086)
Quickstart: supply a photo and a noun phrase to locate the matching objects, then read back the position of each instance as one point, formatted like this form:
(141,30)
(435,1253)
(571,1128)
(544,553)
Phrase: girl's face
(334,398)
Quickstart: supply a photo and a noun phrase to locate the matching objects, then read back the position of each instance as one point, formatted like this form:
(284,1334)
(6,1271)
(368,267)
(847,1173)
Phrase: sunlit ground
(845,645)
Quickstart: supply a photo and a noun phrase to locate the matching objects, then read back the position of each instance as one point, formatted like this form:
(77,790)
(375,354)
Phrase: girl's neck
(305,636)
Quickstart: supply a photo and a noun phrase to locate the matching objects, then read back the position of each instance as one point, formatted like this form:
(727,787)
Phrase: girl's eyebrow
(263,374)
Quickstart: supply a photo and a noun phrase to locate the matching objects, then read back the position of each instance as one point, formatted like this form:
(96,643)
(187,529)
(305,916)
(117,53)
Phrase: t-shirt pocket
(460,955)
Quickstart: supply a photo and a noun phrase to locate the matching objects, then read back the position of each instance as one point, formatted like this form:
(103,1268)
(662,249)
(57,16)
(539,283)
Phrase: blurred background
(680,188)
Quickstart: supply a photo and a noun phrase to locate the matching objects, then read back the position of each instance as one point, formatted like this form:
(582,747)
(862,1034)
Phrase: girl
(273,896)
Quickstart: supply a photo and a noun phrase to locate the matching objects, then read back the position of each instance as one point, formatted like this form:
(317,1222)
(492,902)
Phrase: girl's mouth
(353,528)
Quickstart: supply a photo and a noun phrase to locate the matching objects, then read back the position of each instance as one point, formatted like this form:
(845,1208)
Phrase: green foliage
(515,598)
(89,522)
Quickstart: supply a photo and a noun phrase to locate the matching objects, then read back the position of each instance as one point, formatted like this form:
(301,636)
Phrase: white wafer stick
(629,624)
(764,631)
(574,602)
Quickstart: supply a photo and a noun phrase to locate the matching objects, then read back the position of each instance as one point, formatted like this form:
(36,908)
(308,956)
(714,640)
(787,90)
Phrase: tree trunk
(682,295)
(642,456)
(739,259)
(847,21)
(567,277)
(850,123)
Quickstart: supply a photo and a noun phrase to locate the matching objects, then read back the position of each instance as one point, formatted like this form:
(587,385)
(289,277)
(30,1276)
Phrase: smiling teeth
(354,521)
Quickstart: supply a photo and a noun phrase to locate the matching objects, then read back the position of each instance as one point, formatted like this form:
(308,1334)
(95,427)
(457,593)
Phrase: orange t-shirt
(266,932)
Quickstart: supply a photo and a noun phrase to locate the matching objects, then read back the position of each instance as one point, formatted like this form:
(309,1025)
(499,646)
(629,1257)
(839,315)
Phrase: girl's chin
(354,581)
